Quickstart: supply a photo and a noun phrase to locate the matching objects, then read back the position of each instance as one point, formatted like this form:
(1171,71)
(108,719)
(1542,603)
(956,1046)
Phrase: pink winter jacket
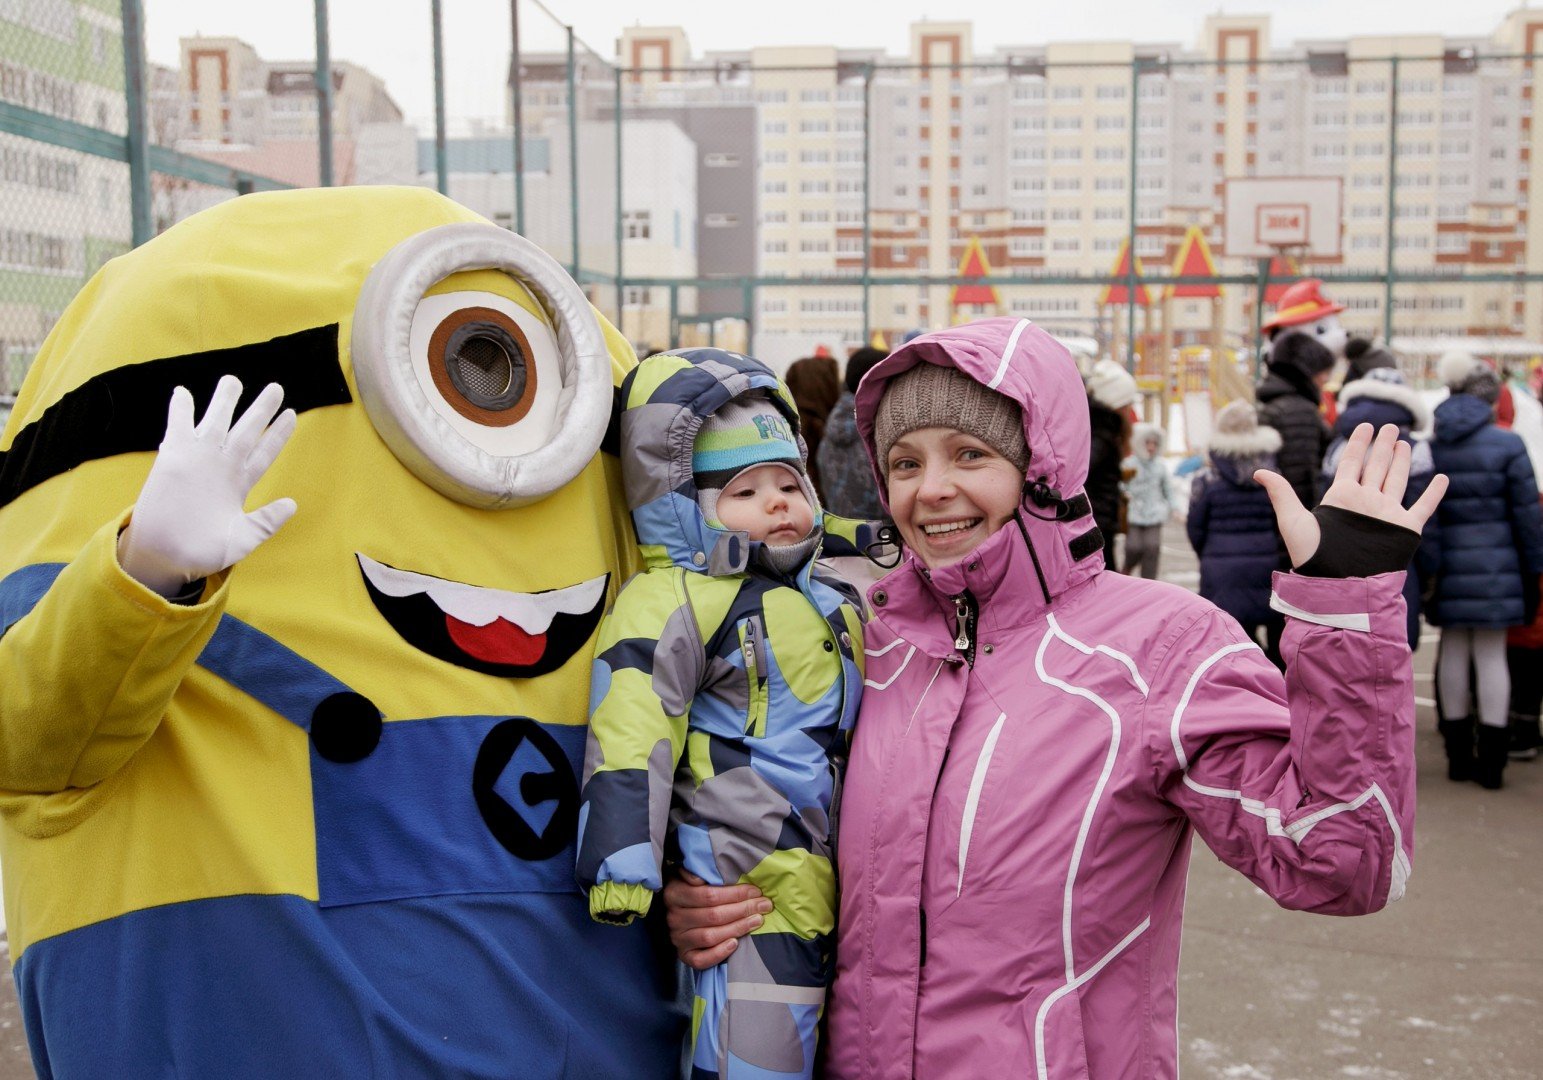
(1015,834)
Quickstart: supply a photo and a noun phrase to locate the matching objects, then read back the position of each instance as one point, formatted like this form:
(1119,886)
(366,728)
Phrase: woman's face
(948,492)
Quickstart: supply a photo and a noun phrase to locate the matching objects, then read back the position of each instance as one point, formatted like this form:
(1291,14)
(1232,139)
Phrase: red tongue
(499,642)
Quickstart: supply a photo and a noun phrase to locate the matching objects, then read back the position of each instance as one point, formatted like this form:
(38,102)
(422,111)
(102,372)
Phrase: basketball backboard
(1268,215)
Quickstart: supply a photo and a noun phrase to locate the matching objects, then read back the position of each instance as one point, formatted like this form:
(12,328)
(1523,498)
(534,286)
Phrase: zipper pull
(962,613)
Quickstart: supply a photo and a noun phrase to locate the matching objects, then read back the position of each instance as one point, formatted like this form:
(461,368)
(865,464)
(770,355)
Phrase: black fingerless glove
(1354,545)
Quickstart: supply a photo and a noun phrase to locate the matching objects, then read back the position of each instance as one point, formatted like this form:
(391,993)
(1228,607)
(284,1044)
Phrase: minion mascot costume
(306,806)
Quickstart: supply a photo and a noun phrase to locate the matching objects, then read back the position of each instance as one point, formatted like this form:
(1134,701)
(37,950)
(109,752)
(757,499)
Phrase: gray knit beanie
(932,396)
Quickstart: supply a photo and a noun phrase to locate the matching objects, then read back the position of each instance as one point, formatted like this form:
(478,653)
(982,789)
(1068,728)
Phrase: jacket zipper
(756,669)
(965,613)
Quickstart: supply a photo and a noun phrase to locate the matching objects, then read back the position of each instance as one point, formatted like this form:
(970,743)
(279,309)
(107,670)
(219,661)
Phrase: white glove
(190,521)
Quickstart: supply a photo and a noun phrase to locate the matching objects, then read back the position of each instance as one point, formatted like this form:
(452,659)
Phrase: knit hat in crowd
(932,396)
(1111,385)
(1302,351)
(1235,432)
(1464,373)
(746,432)
(1363,356)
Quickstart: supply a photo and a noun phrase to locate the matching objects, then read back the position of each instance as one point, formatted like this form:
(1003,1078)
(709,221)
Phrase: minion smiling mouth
(518,635)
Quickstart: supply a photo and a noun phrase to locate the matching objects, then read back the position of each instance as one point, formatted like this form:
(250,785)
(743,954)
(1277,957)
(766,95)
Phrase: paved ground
(1447,984)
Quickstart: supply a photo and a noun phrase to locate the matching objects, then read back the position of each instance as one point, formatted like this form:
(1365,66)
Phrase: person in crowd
(1150,501)
(1040,739)
(815,383)
(1488,554)
(1289,397)
(1378,396)
(727,675)
(848,482)
(1231,524)
(1111,394)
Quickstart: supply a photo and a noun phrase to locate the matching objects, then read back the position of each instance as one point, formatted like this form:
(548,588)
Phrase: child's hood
(1141,434)
(664,401)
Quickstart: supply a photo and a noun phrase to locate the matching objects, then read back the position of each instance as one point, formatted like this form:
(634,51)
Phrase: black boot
(1458,736)
(1526,737)
(1492,756)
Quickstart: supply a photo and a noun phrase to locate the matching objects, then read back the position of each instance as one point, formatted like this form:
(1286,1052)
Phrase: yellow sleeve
(87,674)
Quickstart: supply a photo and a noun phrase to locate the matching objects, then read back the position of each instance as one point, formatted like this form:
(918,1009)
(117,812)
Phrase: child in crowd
(1041,739)
(1149,498)
(1231,524)
(1488,554)
(726,681)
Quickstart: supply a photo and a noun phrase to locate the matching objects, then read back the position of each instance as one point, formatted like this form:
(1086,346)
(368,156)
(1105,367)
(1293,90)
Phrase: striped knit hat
(746,432)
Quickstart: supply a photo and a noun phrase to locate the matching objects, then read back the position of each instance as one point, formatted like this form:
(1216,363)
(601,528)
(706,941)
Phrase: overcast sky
(393,37)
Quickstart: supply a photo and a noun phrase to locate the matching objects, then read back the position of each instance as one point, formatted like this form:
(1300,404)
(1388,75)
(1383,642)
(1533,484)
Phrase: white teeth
(531,612)
(950,526)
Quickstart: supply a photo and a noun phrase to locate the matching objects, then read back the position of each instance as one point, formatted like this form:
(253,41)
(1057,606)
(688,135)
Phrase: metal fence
(768,203)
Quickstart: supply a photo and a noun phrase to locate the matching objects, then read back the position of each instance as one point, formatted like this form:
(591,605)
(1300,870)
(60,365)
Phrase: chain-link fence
(783,199)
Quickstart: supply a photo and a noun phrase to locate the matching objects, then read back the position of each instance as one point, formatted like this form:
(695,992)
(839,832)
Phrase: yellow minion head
(426,618)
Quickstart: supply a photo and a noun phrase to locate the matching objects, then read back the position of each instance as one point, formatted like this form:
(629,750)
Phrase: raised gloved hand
(1361,527)
(190,520)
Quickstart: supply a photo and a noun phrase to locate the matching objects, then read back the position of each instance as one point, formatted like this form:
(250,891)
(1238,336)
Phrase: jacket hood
(1253,443)
(1460,415)
(1139,436)
(664,401)
(1018,359)
(1375,390)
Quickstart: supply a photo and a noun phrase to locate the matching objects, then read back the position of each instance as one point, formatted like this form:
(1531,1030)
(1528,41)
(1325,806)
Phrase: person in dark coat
(850,490)
(815,382)
(1489,554)
(1231,524)
(1111,393)
(1377,396)
(1288,399)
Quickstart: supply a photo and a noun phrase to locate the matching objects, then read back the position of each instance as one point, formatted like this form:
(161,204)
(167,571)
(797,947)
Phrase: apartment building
(1043,152)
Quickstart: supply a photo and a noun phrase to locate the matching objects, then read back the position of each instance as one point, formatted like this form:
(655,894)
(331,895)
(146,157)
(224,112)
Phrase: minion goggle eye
(486,402)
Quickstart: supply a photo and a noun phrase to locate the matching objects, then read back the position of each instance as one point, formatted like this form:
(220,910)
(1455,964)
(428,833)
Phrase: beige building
(1030,150)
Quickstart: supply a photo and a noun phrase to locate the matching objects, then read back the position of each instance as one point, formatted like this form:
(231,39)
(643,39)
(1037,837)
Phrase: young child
(1150,501)
(726,681)
(1231,524)
(1040,740)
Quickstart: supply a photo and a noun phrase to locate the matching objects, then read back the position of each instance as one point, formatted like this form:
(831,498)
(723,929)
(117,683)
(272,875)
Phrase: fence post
(867,202)
(1130,230)
(441,169)
(621,280)
(142,224)
(323,97)
(1387,256)
(573,160)
(517,85)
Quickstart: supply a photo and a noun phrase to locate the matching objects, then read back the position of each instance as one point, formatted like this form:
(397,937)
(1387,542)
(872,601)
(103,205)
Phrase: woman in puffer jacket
(1380,396)
(1489,557)
(1231,524)
(1040,739)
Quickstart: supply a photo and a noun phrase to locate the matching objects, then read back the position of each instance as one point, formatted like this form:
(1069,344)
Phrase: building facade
(1043,152)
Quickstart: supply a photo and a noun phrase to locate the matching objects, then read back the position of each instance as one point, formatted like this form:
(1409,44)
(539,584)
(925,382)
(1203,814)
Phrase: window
(1066,213)
(1028,123)
(977,189)
(814,127)
(1066,244)
(774,217)
(773,306)
(1025,155)
(1109,213)
(721,161)
(638,296)
(1109,123)
(1066,183)
(849,245)
(1066,123)
(774,157)
(774,187)
(814,157)
(814,217)
(1109,153)
(1109,183)
(772,97)
(721,221)
(1021,247)
(636,224)
(1028,183)
(814,187)
(1066,153)
(1111,93)
(1030,90)
(774,247)
(774,127)
(1067,93)
(814,247)
(813,97)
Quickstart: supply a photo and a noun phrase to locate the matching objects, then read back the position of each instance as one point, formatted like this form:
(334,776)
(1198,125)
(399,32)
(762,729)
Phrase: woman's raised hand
(707,921)
(1370,480)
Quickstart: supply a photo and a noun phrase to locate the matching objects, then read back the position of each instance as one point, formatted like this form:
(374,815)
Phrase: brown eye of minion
(479,360)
